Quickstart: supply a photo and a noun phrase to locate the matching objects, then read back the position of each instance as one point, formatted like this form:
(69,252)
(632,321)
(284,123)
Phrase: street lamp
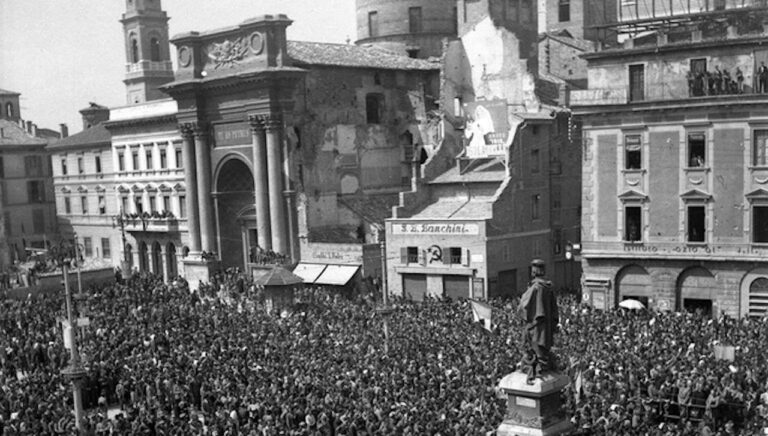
(385,310)
(125,263)
(63,254)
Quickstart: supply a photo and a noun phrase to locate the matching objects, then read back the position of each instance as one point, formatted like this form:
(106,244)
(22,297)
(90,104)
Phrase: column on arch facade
(260,181)
(274,128)
(205,209)
(190,180)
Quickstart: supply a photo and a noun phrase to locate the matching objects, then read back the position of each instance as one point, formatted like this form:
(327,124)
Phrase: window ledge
(698,169)
(633,243)
(696,244)
(633,171)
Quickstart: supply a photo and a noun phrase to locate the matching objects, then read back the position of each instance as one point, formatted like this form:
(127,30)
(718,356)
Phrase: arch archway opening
(234,187)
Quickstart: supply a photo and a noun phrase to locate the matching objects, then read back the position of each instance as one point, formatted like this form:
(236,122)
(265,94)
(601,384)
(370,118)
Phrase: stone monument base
(198,270)
(534,409)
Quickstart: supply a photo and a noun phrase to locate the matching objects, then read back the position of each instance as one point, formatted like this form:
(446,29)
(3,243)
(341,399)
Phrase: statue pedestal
(535,409)
(198,270)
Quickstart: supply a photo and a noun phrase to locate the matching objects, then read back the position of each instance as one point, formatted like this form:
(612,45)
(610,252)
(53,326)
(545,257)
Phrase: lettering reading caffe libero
(436,229)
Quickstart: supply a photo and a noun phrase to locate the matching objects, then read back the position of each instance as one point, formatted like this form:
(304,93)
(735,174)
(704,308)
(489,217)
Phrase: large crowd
(212,362)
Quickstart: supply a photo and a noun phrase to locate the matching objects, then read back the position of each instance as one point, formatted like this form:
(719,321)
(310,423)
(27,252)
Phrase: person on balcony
(718,81)
(739,81)
(762,77)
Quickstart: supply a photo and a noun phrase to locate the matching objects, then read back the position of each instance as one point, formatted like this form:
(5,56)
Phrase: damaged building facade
(675,120)
(501,186)
(256,149)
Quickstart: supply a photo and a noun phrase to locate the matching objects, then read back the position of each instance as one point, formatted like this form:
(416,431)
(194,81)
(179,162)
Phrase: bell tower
(147,50)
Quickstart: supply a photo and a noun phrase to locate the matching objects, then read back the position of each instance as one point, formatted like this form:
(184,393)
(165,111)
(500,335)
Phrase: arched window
(758,297)
(134,50)
(155,49)
(9,110)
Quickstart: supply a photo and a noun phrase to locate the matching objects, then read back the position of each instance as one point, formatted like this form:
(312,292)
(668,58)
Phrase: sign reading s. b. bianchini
(436,228)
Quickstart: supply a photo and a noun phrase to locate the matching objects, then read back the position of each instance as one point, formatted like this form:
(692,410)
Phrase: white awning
(338,275)
(309,272)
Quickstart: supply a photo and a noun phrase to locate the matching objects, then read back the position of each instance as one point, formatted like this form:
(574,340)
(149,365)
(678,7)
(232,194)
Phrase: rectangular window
(633,223)
(696,224)
(182,206)
(163,160)
(535,165)
(97,160)
(84,204)
(135,160)
(696,149)
(636,83)
(63,166)
(413,255)
(88,246)
(526,11)
(166,203)
(106,250)
(373,107)
(696,81)
(760,224)
(633,152)
(512,10)
(564,10)
(414,20)
(35,191)
(7,217)
(124,205)
(760,148)
(535,200)
(120,161)
(2,168)
(38,221)
(179,159)
(139,202)
(455,255)
(102,205)
(67,206)
(33,166)
(152,203)
(148,154)
(80,165)
(373,24)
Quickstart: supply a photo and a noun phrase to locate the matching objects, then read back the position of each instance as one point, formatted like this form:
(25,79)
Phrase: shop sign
(436,228)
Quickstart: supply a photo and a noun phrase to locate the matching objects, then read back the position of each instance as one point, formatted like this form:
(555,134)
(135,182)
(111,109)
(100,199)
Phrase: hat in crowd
(538,263)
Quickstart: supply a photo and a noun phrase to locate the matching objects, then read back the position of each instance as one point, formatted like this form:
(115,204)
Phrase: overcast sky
(62,54)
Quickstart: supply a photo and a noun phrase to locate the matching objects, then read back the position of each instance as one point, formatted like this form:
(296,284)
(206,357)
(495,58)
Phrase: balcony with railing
(140,68)
(693,92)
(160,222)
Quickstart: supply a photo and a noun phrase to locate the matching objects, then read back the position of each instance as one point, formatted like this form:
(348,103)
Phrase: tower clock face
(185,56)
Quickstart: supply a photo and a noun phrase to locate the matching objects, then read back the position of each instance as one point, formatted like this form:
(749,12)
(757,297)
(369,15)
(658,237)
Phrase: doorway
(234,187)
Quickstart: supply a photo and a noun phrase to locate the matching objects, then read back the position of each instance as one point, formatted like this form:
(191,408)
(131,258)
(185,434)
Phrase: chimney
(93,115)
(34,130)
(29,127)
(64,130)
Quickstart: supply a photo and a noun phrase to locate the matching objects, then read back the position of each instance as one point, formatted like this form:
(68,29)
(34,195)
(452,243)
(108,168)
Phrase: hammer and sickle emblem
(435,254)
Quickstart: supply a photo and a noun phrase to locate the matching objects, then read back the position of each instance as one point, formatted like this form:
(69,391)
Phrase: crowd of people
(213,362)
(720,82)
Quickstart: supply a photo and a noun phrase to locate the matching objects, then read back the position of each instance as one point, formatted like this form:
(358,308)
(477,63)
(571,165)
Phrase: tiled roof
(457,208)
(347,55)
(96,135)
(6,92)
(278,276)
(374,209)
(486,171)
(13,134)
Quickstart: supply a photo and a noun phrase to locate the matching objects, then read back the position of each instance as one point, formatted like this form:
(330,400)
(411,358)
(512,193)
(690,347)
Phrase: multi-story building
(415,28)
(298,148)
(83,183)
(25,180)
(501,187)
(675,121)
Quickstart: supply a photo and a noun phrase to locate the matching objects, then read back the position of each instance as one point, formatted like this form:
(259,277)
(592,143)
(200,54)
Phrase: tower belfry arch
(147,50)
